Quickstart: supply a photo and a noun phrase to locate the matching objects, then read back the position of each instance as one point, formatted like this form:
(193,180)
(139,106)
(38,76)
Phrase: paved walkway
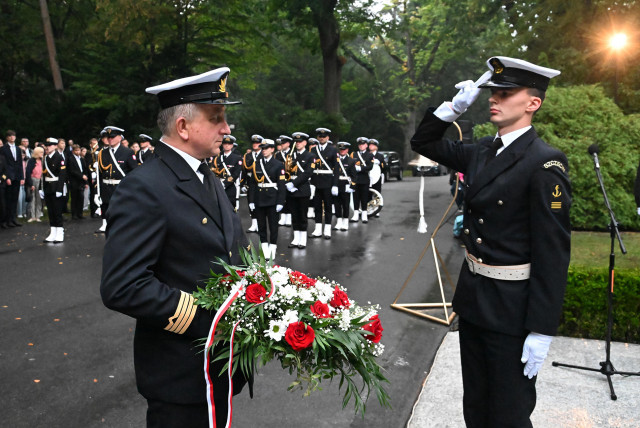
(566,397)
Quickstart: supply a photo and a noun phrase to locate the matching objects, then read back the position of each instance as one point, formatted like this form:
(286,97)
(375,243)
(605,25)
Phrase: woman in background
(33,180)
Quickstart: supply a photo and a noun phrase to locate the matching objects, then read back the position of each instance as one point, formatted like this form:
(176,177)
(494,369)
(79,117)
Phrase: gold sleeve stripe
(182,318)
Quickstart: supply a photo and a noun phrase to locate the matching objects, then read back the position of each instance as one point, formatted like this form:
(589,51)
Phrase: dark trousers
(341,203)
(361,197)
(496,392)
(11,194)
(299,208)
(54,209)
(378,185)
(231,195)
(173,415)
(267,215)
(106,191)
(92,193)
(77,201)
(323,197)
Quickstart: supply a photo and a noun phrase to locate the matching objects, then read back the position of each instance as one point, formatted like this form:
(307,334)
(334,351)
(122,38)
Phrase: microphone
(593,151)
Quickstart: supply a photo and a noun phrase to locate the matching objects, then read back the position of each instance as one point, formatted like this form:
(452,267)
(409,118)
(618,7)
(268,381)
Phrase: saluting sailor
(227,166)
(283,154)
(114,162)
(54,172)
(145,153)
(325,183)
(269,196)
(299,189)
(363,164)
(517,236)
(248,160)
(346,174)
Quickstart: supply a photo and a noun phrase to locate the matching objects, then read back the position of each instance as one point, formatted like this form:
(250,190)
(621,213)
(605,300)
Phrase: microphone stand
(606,367)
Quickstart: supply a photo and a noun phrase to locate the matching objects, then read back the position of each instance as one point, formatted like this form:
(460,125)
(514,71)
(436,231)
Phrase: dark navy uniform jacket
(302,169)
(365,162)
(54,167)
(348,166)
(162,240)
(234,165)
(324,181)
(269,196)
(516,211)
(146,156)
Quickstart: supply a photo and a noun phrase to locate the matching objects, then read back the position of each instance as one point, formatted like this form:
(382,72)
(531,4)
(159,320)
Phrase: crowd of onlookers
(21,178)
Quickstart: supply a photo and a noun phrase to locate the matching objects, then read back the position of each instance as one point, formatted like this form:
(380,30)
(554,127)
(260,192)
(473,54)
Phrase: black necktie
(209,186)
(493,149)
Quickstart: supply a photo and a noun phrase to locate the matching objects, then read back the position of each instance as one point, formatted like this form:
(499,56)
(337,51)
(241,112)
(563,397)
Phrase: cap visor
(220,102)
(491,84)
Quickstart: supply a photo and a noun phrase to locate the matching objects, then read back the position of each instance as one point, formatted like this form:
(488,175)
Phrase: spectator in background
(21,210)
(33,181)
(78,181)
(15,179)
(24,143)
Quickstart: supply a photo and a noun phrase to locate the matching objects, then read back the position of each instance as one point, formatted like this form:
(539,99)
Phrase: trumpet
(289,167)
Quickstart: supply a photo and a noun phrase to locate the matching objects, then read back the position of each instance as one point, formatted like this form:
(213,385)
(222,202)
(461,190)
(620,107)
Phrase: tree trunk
(51,46)
(329,42)
(408,129)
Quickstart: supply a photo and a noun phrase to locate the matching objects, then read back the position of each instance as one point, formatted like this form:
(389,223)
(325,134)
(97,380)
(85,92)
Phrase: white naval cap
(513,73)
(205,88)
(51,141)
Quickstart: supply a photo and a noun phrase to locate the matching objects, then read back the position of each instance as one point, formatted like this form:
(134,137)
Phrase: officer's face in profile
(206,131)
(512,108)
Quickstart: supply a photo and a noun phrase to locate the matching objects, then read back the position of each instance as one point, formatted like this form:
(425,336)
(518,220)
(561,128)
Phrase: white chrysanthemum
(324,291)
(345,320)
(279,277)
(288,291)
(276,331)
(290,316)
(305,295)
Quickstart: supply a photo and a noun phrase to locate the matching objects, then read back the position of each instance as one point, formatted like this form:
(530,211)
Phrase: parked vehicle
(425,166)
(392,165)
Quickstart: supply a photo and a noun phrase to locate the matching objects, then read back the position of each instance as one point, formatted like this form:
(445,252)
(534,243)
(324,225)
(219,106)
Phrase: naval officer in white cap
(151,267)
(517,237)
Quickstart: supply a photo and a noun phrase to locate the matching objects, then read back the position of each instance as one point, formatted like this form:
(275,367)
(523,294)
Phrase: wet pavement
(66,360)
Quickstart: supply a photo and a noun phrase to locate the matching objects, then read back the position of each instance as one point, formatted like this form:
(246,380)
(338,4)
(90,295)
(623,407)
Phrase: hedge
(585,304)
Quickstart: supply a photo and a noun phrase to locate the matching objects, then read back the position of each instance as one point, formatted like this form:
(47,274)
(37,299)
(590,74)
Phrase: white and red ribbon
(235,292)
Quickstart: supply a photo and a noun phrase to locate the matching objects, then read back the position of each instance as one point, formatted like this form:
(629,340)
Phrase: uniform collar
(511,137)
(193,163)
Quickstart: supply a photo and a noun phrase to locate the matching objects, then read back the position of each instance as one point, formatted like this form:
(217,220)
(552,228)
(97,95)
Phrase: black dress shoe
(16,224)
(302,247)
(4,226)
(94,215)
(10,224)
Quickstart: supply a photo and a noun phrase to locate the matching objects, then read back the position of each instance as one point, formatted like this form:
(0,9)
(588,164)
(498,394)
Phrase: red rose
(320,310)
(241,273)
(340,299)
(301,279)
(299,335)
(374,327)
(255,293)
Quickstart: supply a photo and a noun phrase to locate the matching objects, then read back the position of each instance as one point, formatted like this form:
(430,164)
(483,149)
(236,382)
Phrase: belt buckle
(470,261)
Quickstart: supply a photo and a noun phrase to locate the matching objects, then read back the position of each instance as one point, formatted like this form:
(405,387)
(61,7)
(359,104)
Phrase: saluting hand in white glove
(467,94)
(534,352)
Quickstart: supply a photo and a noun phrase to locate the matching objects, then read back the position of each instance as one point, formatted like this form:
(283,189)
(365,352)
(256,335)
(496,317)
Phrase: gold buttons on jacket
(230,254)
(479,240)
(204,220)
(481,221)
(500,202)
(466,231)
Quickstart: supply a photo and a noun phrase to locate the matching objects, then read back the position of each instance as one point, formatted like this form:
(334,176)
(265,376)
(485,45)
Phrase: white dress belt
(110,181)
(263,185)
(505,273)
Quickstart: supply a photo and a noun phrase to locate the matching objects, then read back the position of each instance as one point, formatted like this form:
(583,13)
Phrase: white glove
(469,91)
(292,189)
(638,210)
(289,186)
(279,208)
(313,190)
(41,193)
(58,194)
(252,206)
(534,352)
(376,161)
(93,175)
(358,168)
(334,190)
(97,200)
(349,189)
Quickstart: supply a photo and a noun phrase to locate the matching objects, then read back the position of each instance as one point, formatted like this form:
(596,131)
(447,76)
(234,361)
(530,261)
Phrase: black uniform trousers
(77,200)
(231,194)
(92,193)
(55,207)
(11,194)
(341,202)
(268,215)
(106,191)
(299,208)
(496,392)
(172,415)
(361,196)
(322,197)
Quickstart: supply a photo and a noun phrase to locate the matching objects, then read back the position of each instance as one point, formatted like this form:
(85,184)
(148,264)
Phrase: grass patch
(592,250)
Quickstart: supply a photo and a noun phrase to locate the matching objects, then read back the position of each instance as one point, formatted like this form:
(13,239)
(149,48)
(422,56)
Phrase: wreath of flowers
(308,324)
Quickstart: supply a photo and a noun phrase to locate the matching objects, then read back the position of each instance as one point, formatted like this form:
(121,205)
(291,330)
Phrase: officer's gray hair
(167,117)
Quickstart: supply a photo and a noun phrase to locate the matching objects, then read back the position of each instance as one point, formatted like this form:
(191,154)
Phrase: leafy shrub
(585,304)
(572,119)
